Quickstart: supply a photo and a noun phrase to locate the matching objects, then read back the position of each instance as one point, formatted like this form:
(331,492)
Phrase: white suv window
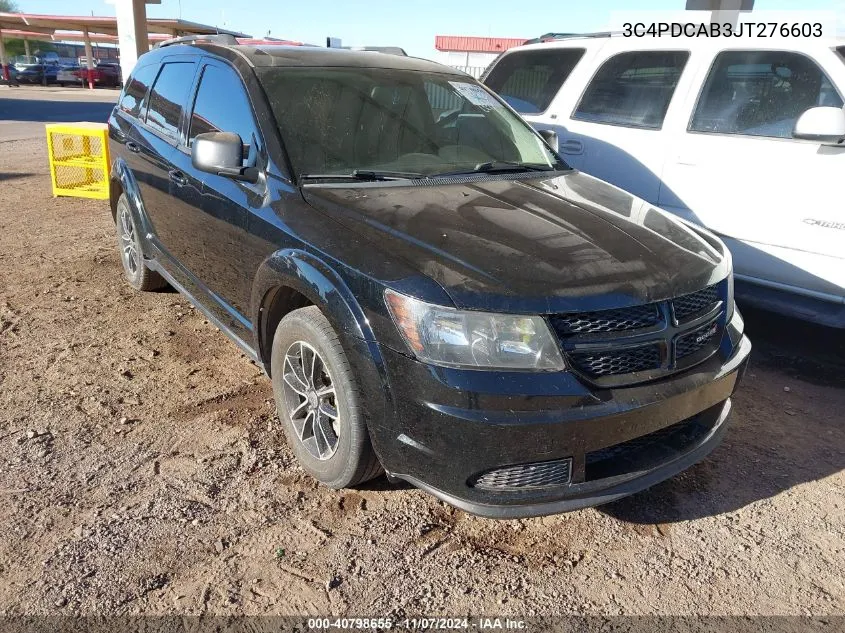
(529,80)
(761,93)
(633,89)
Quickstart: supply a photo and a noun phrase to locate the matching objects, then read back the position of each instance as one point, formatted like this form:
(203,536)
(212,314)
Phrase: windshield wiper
(498,166)
(365,175)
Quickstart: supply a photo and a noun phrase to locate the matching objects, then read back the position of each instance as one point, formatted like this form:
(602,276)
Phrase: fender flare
(122,175)
(318,282)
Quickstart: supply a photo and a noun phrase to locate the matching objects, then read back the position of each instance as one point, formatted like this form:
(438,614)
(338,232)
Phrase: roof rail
(552,37)
(391,50)
(218,38)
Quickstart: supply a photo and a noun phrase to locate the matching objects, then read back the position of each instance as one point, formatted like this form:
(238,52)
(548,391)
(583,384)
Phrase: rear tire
(135,269)
(318,401)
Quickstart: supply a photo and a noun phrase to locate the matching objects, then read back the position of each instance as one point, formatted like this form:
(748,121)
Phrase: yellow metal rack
(79,159)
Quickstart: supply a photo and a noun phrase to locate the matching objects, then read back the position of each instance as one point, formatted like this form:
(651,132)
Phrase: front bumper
(451,426)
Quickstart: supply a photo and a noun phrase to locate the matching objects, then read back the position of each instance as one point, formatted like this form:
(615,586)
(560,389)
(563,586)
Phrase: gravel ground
(142,470)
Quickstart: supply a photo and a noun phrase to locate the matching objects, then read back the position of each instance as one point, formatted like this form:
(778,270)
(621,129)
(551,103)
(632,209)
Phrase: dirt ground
(142,470)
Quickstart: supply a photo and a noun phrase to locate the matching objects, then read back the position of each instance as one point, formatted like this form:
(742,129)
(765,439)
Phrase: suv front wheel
(135,270)
(318,401)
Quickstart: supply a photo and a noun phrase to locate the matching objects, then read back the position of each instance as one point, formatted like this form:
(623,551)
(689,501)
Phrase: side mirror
(221,153)
(825,125)
(550,136)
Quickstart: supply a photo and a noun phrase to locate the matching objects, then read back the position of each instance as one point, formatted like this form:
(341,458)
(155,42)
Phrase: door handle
(178,177)
(572,147)
(132,146)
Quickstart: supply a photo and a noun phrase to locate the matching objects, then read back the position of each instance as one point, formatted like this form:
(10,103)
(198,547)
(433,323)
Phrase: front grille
(536,475)
(699,302)
(696,340)
(644,342)
(607,320)
(617,361)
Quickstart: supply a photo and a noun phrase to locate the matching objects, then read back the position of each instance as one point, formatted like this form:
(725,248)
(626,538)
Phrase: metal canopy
(73,36)
(102,38)
(48,24)
(138,31)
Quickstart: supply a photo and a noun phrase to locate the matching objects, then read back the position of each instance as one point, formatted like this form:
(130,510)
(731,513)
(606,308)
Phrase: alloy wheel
(128,247)
(311,400)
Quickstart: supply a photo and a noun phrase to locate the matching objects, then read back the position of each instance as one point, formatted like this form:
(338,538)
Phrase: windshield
(349,121)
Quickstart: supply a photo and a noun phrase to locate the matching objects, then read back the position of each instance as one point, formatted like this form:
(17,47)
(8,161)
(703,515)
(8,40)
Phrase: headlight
(462,338)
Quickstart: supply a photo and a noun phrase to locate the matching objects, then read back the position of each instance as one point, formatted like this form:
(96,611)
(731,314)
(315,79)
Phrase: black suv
(432,290)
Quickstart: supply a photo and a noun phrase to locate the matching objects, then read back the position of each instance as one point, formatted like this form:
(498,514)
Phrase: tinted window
(761,93)
(232,114)
(335,120)
(168,95)
(633,89)
(137,88)
(529,80)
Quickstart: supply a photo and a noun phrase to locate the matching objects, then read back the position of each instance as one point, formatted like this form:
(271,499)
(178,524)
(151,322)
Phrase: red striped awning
(468,44)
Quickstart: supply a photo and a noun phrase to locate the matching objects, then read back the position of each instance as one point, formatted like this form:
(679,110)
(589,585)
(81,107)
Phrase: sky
(407,23)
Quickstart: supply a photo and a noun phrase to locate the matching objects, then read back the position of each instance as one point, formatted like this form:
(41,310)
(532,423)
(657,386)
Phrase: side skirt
(245,347)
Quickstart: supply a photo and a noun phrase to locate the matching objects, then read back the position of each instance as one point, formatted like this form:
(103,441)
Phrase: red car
(103,74)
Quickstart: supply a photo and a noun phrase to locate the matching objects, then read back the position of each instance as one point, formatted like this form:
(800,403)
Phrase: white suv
(742,136)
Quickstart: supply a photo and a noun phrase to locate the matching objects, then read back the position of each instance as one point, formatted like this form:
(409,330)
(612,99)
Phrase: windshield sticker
(475,94)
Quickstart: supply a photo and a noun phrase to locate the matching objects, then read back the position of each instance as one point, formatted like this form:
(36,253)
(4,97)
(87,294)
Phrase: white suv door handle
(571,146)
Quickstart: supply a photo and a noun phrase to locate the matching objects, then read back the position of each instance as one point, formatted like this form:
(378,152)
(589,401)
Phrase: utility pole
(132,35)
(722,11)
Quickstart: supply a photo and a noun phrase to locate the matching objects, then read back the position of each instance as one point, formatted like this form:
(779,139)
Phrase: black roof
(311,56)
(314,56)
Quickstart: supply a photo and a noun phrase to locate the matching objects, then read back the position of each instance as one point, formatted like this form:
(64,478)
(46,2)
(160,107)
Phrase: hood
(569,242)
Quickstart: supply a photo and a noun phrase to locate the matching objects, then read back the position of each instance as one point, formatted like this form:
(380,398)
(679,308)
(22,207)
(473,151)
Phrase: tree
(15,47)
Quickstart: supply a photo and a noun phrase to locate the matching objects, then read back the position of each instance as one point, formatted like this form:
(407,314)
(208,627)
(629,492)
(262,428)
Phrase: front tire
(135,269)
(318,401)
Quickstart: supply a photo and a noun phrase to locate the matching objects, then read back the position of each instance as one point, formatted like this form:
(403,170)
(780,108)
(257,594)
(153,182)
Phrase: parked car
(742,136)
(68,75)
(22,61)
(431,289)
(103,74)
(34,73)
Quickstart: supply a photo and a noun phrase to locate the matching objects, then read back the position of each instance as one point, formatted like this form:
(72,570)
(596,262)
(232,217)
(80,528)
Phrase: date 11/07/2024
(723,29)
(419,624)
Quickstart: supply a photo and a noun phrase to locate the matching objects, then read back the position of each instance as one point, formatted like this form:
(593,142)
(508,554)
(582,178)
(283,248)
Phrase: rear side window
(232,114)
(168,96)
(633,89)
(136,90)
(529,80)
(761,93)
